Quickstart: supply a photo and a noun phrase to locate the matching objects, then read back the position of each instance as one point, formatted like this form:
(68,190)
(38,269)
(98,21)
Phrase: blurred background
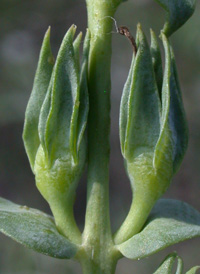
(22,26)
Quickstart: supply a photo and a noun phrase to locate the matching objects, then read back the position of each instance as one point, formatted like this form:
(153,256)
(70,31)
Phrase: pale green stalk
(97,236)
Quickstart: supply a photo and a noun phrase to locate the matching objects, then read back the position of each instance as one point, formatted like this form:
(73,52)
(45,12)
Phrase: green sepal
(178,123)
(193,270)
(75,113)
(179,269)
(157,61)
(163,154)
(76,46)
(173,139)
(84,98)
(58,122)
(40,86)
(178,12)
(167,265)
(123,106)
(140,107)
(170,222)
(35,230)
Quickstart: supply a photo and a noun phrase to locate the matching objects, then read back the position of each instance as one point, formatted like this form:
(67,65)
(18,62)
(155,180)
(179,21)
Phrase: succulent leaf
(35,230)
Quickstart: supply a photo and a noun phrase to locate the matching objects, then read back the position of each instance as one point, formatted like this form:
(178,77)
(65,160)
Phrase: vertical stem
(90,266)
(97,237)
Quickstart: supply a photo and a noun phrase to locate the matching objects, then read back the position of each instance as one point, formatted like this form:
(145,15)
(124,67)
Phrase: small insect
(125,31)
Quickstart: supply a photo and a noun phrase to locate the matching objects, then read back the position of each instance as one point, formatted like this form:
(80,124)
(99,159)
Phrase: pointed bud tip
(47,33)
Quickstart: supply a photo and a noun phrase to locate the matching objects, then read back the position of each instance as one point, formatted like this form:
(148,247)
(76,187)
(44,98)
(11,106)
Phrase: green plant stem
(90,265)
(97,236)
(134,221)
(64,216)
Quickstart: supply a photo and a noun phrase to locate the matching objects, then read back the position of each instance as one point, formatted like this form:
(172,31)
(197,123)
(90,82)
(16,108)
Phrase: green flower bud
(178,12)
(60,152)
(153,130)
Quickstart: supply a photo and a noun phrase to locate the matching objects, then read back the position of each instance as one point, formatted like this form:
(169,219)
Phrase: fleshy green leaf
(40,86)
(178,12)
(169,223)
(193,270)
(34,229)
(167,265)
(143,106)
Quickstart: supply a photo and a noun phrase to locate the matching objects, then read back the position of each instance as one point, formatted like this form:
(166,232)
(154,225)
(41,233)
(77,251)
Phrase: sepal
(166,266)
(140,105)
(40,87)
(156,61)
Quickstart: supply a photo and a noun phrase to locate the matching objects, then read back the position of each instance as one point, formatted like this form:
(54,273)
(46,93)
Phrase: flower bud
(153,130)
(59,123)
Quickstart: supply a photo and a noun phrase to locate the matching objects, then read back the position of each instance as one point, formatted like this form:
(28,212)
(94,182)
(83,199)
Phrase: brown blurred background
(22,26)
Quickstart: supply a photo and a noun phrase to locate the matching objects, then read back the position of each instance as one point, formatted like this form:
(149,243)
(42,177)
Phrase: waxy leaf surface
(34,229)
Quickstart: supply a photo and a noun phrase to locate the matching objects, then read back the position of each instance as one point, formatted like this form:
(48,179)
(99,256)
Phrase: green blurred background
(22,26)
